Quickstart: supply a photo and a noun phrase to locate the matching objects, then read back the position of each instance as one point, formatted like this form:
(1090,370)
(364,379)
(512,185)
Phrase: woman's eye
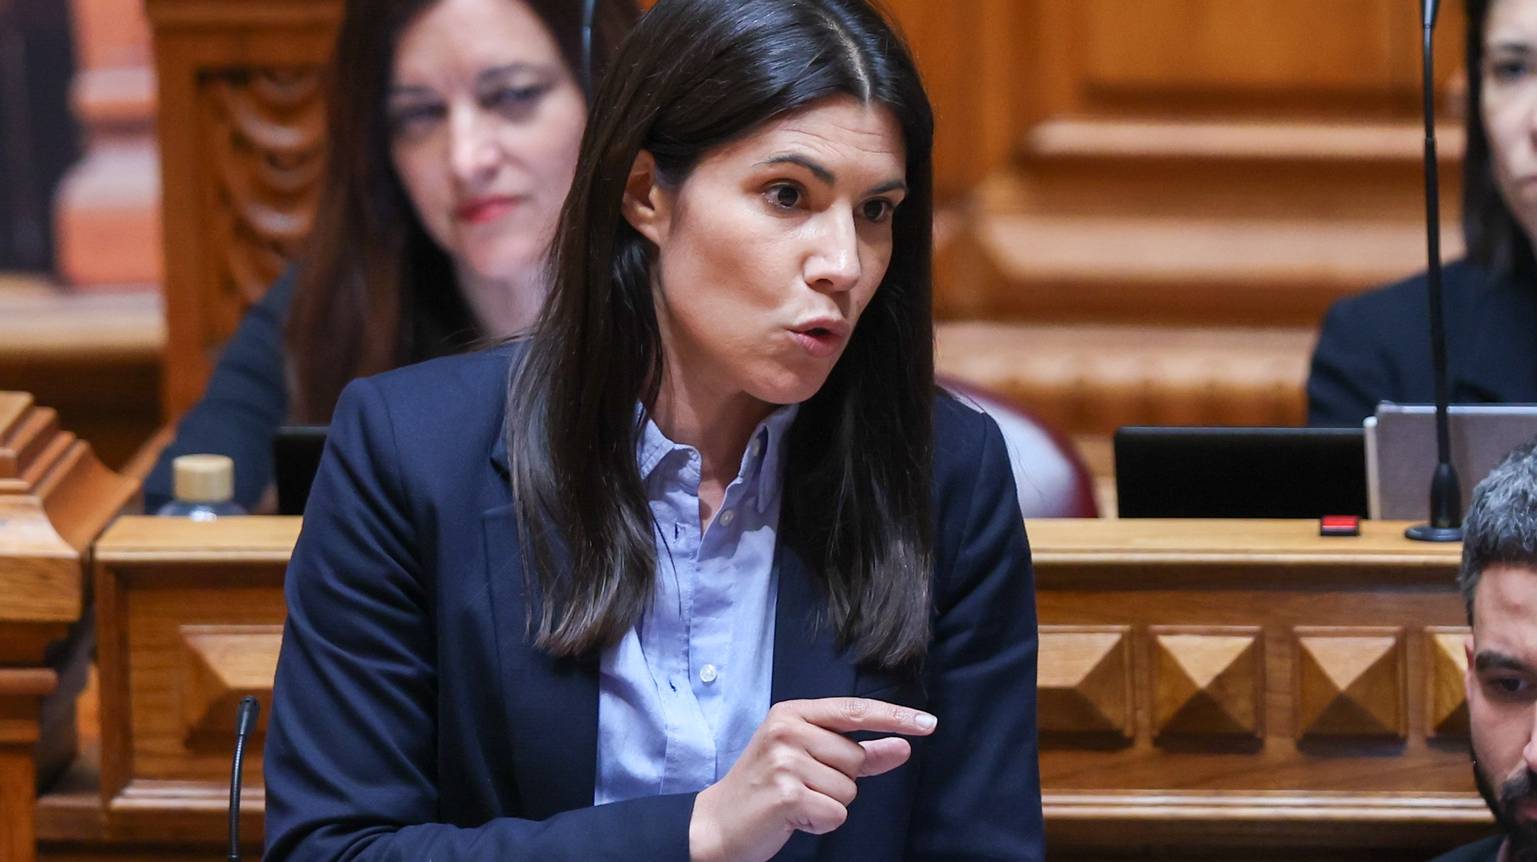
(877,210)
(1506,71)
(514,99)
(413,118)
(784,196)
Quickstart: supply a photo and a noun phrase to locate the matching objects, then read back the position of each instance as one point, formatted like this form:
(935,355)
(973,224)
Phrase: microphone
(589,9)
(245,719)
(1445,523)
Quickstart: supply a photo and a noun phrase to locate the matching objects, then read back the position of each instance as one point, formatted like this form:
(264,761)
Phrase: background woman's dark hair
(1495,240)
(696,74)
(373,290)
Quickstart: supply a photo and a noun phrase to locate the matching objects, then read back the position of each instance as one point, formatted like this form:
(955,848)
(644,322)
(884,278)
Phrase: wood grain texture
(1170,707)
(190,614)
(1083,686)
(239,133)
(1350,682)
(1208,681)
(1281,581)
(1446,697)
(55,498)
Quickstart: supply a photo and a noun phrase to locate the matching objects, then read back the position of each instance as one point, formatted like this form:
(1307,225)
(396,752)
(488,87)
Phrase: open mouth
(818,341)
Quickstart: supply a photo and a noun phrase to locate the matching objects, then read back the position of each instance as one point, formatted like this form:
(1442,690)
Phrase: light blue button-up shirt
(682,693)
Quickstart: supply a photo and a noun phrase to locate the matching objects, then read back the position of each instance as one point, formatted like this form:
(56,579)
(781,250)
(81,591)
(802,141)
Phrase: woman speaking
(705,568)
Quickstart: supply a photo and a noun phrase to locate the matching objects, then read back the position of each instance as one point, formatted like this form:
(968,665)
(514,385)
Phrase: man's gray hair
(1501,526)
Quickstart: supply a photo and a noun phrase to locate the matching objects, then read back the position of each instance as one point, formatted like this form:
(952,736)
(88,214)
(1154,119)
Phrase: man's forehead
(1505,610)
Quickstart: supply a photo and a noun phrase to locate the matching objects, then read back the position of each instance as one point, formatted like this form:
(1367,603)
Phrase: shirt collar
(761,462)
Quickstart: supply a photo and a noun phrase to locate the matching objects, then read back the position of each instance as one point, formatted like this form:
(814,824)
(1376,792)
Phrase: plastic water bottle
(205,488)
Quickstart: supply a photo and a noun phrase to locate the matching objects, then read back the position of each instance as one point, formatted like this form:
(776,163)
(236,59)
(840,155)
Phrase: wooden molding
(219,665)
(1208,681)
(1446,696)
(55,498)
(1350,681)
(1083,683)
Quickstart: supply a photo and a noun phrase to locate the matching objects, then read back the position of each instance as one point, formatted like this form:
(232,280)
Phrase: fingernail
(925,721)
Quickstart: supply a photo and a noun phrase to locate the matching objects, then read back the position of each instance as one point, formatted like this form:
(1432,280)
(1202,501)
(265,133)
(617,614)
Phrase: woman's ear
(646,204)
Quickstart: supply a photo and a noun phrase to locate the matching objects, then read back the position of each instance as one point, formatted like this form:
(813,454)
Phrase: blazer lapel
(551,704)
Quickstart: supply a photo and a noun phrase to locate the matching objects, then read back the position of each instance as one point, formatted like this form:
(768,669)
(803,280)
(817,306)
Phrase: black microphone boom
(1445,490)
(245,720)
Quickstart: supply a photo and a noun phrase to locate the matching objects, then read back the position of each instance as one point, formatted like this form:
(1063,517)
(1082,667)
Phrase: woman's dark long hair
(1494,239)
(694,75)
(373,291)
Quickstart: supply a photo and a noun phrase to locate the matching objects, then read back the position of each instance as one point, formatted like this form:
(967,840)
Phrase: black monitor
(1216,472)
(295,457)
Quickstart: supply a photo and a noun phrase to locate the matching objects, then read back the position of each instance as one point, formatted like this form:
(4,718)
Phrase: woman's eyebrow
(817,170)
(1508,47)
(405,90)
(507,70)
(826,175)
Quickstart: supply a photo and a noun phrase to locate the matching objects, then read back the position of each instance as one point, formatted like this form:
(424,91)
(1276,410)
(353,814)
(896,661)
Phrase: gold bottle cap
(203,478)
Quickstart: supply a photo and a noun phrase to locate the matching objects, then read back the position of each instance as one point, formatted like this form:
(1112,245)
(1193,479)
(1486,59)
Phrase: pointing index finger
(848,714)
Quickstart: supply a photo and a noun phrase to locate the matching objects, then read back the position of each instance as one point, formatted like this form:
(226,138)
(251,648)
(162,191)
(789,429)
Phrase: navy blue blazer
(245,403)
(412,720)
(1376,346)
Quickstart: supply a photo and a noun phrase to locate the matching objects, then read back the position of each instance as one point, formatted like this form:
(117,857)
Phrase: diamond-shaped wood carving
(1350,682)
(1446,696)
(1084,680)
(1208,681)
(220,665)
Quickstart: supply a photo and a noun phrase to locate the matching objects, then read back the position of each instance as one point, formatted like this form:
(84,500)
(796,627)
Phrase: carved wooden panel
(1084,681)
(1357,59)
(1350,682)
(241,123)
(265,132)
(220,664)
(1208,681)
(1446,696)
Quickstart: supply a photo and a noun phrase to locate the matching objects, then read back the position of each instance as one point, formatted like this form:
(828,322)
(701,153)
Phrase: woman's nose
(834,262)
(473,153)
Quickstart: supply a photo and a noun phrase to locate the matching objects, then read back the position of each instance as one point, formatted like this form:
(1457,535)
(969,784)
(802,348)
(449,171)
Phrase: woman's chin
(499,263)
(789,388)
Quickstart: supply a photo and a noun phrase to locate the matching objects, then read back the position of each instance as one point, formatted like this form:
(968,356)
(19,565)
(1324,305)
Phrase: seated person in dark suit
(622,589)
(451,140)
(1376,347)
(1499,584)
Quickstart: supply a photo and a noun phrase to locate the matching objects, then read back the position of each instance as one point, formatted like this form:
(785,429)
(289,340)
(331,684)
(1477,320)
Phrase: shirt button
(757,448)
(726,518)
(707,674)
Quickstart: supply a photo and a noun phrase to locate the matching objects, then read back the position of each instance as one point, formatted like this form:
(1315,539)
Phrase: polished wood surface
(55,498)
(1252,685)
(93,358)
(240,127)
(189,618)
(1205,686)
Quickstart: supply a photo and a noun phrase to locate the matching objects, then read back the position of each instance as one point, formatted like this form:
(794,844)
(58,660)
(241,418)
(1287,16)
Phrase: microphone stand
(1445,523)
(245,720)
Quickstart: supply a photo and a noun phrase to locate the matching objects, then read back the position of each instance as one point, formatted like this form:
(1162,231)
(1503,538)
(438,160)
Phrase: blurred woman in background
(1375,347)
(453,128)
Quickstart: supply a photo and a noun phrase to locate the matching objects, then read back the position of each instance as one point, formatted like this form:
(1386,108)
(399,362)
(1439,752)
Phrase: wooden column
(241,124)
(55,498)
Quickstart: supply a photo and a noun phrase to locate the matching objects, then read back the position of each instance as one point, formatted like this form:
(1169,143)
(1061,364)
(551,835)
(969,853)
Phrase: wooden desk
(55,498)
(1204,685)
